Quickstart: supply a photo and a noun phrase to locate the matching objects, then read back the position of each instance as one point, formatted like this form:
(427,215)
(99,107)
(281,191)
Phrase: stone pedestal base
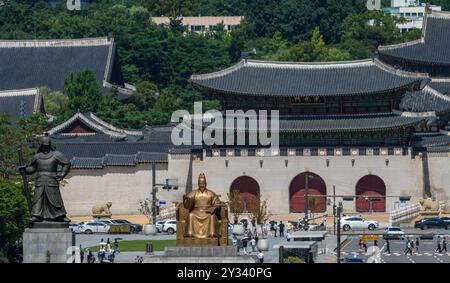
(43,245)
(199,254)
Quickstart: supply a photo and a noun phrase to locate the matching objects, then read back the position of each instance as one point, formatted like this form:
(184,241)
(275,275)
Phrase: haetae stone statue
(202,219)
(47,202)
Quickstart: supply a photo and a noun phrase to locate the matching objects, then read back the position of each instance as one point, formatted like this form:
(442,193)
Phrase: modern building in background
(373,5)
(412,11)
(202,24)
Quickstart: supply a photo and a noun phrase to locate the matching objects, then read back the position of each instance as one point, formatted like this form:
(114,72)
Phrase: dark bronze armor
(47,202)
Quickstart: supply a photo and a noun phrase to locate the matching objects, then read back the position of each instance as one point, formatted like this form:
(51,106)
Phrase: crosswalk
(437,255)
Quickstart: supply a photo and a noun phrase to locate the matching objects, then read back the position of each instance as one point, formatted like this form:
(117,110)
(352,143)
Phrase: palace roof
(20,103)
(46,63)
(338,123)
(88,127)
(430,99)
(118,160)
(351,123)
(432,47)
(251,77)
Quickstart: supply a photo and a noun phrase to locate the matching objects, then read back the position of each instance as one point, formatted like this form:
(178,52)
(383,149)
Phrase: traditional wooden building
(21,103)
(46,63)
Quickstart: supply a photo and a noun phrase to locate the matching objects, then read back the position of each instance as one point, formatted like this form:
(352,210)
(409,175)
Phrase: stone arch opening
(249,191)
(297,191)
(370,194)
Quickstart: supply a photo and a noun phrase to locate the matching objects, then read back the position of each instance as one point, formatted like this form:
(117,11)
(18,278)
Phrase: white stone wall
(402,176)
(124,186)
(439,167)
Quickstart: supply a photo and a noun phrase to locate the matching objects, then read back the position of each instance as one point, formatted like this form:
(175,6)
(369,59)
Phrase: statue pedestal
(47,242)
(200,254)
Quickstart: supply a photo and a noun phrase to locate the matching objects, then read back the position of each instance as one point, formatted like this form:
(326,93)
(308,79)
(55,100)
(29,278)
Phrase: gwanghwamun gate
(376,127)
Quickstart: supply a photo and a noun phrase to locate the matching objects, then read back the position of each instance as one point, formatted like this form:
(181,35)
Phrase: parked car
(393,233)
(353,222)
(353,260)
(434,222)
(160,224)
(94,227)
(135,228)
(446,219)
(75,226)
(170,226)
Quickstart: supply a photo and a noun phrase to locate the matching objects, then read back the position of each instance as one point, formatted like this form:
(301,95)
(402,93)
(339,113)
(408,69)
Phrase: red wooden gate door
(367,186)
(316,186)
(249,188)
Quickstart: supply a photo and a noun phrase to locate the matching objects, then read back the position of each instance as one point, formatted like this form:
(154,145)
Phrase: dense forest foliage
(159,60)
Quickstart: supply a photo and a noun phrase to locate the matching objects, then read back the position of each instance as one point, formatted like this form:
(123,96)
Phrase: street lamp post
(338,250)
(306,196)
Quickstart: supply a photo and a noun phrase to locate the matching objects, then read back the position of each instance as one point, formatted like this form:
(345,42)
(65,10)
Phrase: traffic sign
(370,237)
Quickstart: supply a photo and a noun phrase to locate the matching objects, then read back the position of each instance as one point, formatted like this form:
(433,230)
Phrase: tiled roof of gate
(432,140)
(426,100)
(117,160)
(251,77)
(349,123)
(434,45)
(343,123)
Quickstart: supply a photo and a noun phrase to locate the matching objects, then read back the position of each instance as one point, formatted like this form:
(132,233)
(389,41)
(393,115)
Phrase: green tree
(20,135)
(145,95)
(162,111)
(83,91)
(14,217)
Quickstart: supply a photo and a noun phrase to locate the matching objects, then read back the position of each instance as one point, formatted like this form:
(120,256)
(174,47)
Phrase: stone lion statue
(428,204)
(102,208)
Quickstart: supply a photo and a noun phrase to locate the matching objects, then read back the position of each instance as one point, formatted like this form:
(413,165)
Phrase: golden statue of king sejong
(202,219)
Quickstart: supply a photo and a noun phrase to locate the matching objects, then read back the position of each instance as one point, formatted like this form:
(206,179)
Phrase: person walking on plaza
(281,226)
(260,257)
(388,247)
(360,243)
(253,243)
(412,246)
(444,244)
(364,246)
(408,247)
(438,245)
(275,228)
(417,244)
(288,236)
(244,245)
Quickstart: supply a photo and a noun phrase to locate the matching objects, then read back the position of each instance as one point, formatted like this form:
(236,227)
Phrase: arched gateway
(297,190)
(374,186)
(249,189)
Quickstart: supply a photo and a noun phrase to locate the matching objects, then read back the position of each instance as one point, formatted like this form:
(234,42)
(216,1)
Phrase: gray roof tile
(432,47)
(306,79)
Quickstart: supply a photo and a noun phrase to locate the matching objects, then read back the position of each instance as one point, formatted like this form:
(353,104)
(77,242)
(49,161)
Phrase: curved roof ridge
(441,80)
(94,41)
(219,73)
(112,127)
(401,44)
(84,119)
(410,114)
(437,93)
(439,14)
(398,72)
(310,63)
(19,92)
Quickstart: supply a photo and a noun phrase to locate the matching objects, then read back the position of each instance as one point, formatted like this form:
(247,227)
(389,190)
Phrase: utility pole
(334,209)
(338,251)
(154,188)
(306,198)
